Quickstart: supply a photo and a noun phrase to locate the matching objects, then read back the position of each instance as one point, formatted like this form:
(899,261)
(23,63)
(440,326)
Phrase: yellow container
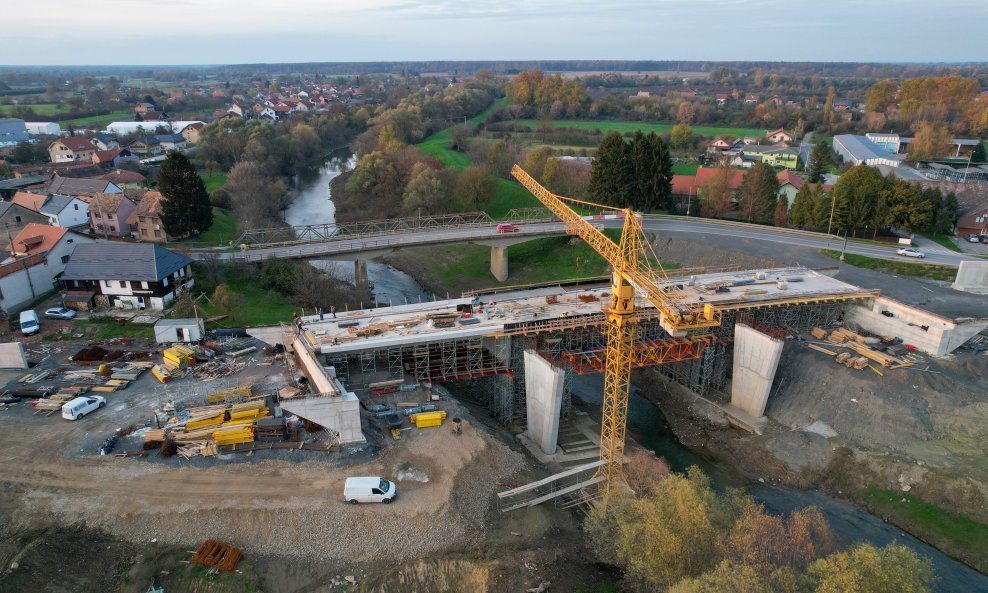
(426,419)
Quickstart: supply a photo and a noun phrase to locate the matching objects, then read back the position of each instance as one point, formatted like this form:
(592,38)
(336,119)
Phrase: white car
(59,313)
(369,489)
(911,252)
(80,406)
(972,238)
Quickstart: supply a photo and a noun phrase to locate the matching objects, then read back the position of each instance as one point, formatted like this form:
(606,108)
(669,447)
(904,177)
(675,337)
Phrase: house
(686,188)
(14,217)
(146,146)
(974,222)
(146,219)
(268,112)
(126,275)
(34,181)
(124,178)
(114,158)
(789,185)
(780,135)
(787,158)
(191,132)
(143,107)
(170,141)
(71,149)
(58,210)
(153,116)
(72,186)
(720,145)
(104,141)
(41,253)
(108,214)
(12,132)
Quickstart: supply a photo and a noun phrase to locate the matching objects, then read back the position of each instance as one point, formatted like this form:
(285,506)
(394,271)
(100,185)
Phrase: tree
(929,142)
(947,212)
(867,569)
(880,95)
(828,107)
(820,159)
(908,207)
(426,192)
(681,136)
(185,208)
(781,216)
(608,177)
(856,198)
(801,213)
(659,193)
(686,113)
(226,299)
(474,189)
(715,195)
(727,578)
(978,154)
(757,193)
(766,542)
(823,209)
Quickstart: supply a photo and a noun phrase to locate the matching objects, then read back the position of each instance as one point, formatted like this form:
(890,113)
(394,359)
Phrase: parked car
(972,238)
(80,406)
(505,227)
(369,489)
(29,323)
(911,252)
(59,313)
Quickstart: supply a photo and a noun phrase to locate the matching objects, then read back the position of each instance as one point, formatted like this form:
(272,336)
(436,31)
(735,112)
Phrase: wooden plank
(822,349)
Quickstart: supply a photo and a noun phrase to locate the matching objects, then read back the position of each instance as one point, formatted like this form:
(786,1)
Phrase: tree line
(635,174)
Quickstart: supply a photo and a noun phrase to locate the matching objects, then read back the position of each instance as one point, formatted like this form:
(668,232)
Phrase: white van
(29,323)
(80,406)
(369,489)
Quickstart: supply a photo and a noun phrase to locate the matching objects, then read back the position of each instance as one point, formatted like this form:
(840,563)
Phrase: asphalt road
(935,254)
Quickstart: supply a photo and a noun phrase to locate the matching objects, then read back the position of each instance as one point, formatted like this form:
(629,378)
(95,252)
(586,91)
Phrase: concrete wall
(972,276)
(756,357)
(341,414)
(12,356)
(928,332)
(319,380)
(543,398)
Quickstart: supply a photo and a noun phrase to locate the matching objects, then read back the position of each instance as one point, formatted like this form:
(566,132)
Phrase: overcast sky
(247,31)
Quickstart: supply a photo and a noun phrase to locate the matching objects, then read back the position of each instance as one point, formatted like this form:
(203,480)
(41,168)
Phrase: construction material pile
(863,349)
(217,555)
(201,430)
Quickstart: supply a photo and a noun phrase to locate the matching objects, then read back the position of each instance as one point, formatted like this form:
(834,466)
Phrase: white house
(126,275)
(40,254)
(65,211)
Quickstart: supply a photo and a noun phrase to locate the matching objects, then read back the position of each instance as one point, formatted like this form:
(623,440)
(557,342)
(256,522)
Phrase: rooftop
(123,261)
(36,238)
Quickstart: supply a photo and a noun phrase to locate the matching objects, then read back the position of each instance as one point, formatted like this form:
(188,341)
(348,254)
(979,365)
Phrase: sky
(156,32)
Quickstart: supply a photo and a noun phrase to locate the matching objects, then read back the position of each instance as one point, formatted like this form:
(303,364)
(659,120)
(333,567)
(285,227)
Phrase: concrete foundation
(928,332)
(341,414)
(972,276)
(543,397)
(499,263)
(756,357)
(12,356)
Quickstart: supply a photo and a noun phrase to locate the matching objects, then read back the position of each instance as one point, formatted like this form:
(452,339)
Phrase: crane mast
(631,274)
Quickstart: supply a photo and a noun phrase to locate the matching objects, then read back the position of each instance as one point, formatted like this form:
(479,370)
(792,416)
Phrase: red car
(505,227)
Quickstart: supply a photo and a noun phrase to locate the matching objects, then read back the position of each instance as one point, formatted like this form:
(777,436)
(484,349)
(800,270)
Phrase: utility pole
(833,203)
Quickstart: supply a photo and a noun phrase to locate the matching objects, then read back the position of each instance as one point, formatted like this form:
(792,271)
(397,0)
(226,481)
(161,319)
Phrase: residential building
(108,214)
(143,107)
(34,181)
(780,135)
(71,149)
(789,185)
(787,158)
(114,158)
(123,178)
(58,210)
(146,219)
(191,132)
(126,275)
(146,146)
(41,254)
(856,149)
(170,141)
(974,222)
(73,186)
(772,155)
(12,132)
(14,217)
(104,141)
(686,188)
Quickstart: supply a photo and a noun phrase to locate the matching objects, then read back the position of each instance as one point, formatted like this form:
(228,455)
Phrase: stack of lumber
(154,435)
(231,394)
(819,333)
(128,373)
(234,435)
(879,357)
(217,554)
(270,430)
(190,450)
(204,421)
(32,378)
(48,405)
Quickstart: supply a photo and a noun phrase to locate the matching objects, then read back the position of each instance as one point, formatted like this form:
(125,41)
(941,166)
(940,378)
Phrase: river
(649,428)
(313,204)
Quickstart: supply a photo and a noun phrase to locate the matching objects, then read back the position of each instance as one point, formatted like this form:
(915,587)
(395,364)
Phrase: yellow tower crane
(631,273)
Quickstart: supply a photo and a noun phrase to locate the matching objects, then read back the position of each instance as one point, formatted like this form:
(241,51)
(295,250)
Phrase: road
(341,248)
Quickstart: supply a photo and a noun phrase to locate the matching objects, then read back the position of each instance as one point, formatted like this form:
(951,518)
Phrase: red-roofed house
(686,188)
(191,132)
(71,149)
(789,185)
(145,221)
(780,135)
(40,253)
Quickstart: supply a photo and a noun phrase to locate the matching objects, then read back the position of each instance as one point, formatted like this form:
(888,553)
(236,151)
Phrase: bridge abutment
(360,274)
(543,400)
(756,358)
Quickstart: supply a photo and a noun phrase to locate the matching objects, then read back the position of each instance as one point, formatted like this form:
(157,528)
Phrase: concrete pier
(499,262)
(756,357)
(544,398)
(360,274)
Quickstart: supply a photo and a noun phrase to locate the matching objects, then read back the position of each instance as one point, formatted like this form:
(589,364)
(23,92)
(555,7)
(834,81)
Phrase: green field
(631,126)
(224,227)
(105,329)
(895,267)
(120,115)
(684,169)
(260,306)
(213,181)
(40,109)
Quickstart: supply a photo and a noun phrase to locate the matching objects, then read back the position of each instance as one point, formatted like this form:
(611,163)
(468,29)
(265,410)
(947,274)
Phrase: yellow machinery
(631,272)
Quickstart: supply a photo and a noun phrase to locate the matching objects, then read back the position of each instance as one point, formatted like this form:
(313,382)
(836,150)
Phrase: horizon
(228,32)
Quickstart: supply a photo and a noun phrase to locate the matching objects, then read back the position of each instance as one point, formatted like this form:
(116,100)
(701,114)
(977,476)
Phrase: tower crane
(631,274)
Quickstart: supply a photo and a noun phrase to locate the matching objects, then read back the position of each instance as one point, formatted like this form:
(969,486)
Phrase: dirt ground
(119,522)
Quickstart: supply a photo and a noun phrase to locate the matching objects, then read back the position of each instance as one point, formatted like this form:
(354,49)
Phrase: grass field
(945,241)
(104,329)
(684,169)
(933,522)
(120,115)
(40,109)
(260,306)
(895,267)
(224,227)
(213,181)
(630,126)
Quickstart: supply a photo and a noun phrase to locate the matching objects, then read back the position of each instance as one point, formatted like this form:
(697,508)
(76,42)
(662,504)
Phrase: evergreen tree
(185,209)
(857,199)
(822,209)
(946,213)
(660,175)
(819,160)
(781,217)
(801,213)
(757,194)
(978,156)
(639,162)
(609,176)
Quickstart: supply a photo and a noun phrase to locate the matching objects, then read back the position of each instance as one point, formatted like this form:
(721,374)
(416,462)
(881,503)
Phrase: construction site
(231,454)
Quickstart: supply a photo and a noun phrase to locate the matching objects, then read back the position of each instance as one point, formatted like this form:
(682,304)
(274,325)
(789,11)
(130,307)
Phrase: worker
(321,317)
(332,309)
